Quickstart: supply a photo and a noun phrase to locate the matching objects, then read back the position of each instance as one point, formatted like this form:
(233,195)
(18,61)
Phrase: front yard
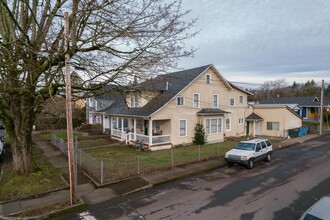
(45,178)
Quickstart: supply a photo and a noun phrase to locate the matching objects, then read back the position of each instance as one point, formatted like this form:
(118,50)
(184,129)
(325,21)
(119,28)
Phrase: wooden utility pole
(321,114)
(71,159)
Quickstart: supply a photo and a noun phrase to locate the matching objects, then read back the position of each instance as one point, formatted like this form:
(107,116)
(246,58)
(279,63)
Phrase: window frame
(232,99)
(185,127)
(228,129)
(270,125)
(241,99)
(199,100)
(208,79)
(217,101)
(208,125)
(241,121)
(177,101)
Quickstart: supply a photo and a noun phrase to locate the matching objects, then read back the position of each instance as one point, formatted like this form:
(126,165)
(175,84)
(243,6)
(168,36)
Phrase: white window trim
(217,101)
(183,100)
(229,124)
(230,101)
(206,78)
(185,121)
(240,123)
(218,131)
(199,100)
(242,99)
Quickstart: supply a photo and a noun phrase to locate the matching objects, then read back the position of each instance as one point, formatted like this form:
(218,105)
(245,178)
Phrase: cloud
(262,37)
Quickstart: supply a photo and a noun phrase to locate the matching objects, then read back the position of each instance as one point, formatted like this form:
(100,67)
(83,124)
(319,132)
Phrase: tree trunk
(21,147)
(19,125)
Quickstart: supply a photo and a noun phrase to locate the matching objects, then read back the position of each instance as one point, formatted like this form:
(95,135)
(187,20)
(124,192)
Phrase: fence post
(172,156)
(199,152)
(138,160)
(101,171)
(79,157)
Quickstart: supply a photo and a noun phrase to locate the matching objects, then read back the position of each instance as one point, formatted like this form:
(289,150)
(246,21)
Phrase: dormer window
(180,100)
(208,78)
(134,100)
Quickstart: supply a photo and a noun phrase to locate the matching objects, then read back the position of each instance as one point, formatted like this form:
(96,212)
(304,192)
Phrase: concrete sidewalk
(87,191)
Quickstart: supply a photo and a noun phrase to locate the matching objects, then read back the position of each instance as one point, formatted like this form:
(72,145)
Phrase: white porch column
(254,128)
(111,126)
(134,127)
(103,122)
(150,132)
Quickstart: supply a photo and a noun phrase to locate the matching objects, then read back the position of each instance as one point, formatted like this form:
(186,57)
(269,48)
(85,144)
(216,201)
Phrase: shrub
(200,138)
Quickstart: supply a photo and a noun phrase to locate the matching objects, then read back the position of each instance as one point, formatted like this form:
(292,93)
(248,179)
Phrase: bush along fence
(115,169)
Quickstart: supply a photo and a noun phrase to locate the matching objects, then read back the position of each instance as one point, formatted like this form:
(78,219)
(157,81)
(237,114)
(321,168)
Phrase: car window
(263,144)
(311,217)
(245,146)
(268,143)
(259,146)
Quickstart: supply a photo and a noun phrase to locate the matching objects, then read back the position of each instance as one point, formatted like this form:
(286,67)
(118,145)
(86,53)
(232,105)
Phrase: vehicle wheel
(268,157)
(250,164)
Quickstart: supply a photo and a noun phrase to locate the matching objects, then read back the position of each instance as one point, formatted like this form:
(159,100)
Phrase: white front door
(257,131)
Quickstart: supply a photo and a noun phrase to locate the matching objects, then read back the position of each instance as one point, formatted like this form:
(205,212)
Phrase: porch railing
(162,139)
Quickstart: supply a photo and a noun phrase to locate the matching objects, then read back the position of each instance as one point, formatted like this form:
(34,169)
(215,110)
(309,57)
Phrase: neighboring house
(272,120)
(163,112)
(96,105)
(310,105)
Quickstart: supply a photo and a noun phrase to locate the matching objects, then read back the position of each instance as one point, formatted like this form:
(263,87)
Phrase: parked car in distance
(318,211)
(250,151)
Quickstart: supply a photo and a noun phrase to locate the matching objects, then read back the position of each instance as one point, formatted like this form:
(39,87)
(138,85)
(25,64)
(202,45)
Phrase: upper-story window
(215,101)
(134,100)
(196,103)
(208,78)
(241,99)
(180,100)
(232,102)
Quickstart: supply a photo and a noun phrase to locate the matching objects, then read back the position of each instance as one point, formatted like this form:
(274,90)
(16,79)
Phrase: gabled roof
(254,117)
(168,85)
(303,101)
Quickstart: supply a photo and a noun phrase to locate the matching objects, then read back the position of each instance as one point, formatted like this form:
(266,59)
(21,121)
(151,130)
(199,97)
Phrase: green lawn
(123,161)
(45,178)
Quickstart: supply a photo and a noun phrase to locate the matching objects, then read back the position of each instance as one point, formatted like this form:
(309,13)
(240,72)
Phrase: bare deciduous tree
(110,40)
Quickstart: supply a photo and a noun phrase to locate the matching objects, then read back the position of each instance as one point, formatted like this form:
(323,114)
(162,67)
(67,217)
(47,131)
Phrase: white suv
(249,152)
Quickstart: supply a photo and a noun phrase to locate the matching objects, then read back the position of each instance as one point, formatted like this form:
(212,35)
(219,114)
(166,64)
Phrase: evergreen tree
(200,137)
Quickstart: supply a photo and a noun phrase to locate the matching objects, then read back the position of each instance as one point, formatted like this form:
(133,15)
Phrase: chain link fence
(115,169)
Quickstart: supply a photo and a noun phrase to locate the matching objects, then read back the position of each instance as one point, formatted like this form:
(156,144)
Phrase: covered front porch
(253,125)
(154,134)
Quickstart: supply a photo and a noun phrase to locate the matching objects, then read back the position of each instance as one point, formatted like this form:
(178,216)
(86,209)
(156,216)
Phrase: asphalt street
(282,189)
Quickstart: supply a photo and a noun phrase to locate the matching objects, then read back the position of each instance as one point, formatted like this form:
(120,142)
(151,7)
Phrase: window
(180,100)
(208,78)
(156,127)
(215,101)
(134,100)
(241,99)
(196,101)
(227,124)
(213,125)
(183,128)
(273,126)
(240,121)
(232,102)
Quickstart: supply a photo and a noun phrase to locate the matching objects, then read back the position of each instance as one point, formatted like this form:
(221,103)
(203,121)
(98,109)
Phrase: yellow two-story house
(163,111)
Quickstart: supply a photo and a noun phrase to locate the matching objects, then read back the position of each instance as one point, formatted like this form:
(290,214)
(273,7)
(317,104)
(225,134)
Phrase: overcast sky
(260,40)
